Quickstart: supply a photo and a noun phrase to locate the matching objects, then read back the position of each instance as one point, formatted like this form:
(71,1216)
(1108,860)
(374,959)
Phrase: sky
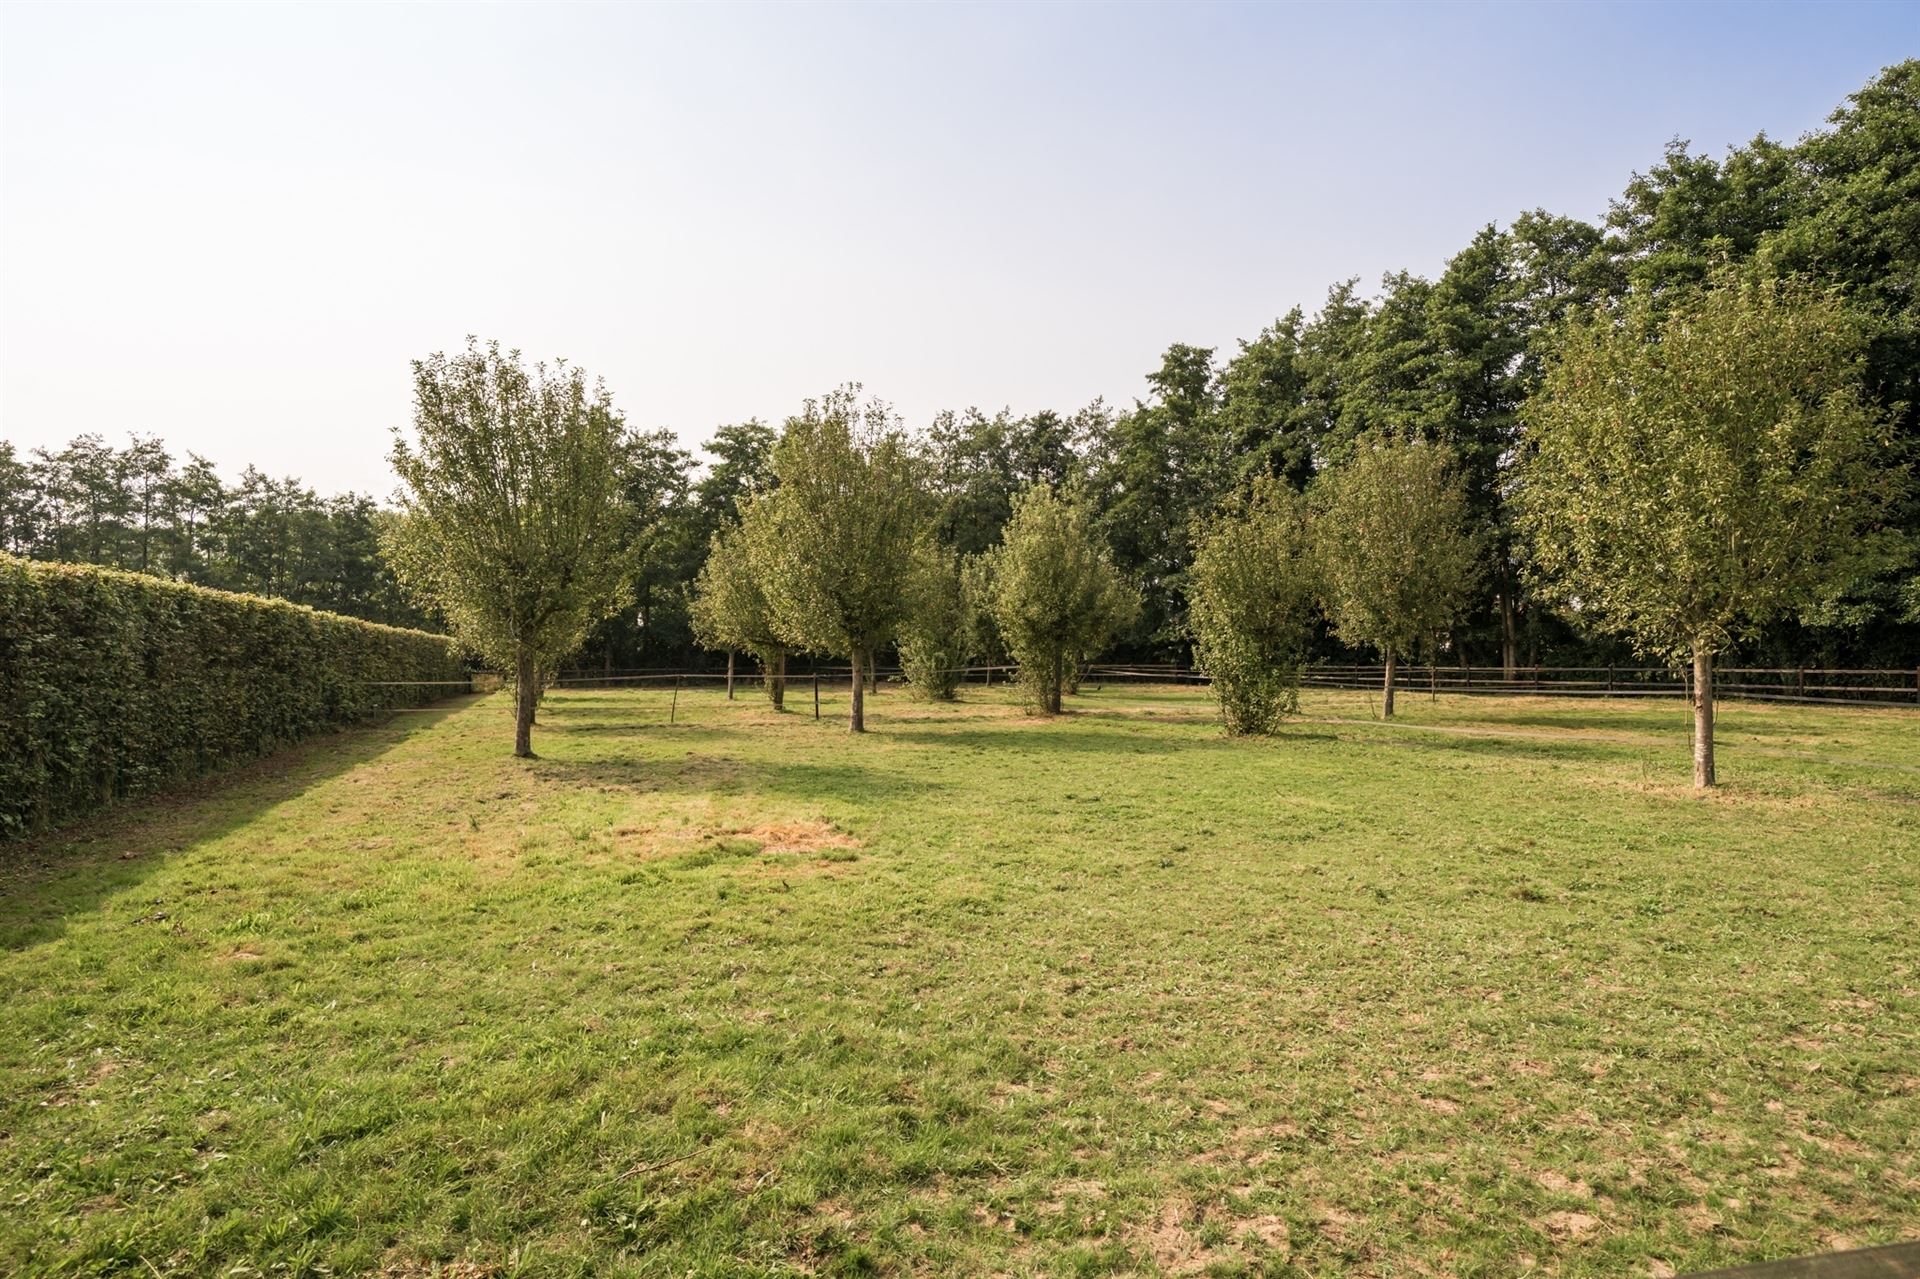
(234,226)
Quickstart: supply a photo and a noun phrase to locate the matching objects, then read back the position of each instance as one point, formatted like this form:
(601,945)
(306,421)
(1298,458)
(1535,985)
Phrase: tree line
(1680,431)
(1454,360)
(141,509)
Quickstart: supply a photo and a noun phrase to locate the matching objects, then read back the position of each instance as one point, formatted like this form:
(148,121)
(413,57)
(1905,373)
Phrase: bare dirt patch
(794,837)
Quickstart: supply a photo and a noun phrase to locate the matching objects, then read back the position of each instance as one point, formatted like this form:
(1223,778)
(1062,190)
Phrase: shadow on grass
(1040,739)
(46,878)
(1494,743)
(729,775)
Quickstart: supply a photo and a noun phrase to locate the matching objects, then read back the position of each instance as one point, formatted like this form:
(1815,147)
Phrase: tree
(1272,430)
(1394,549)
(1250,606)
(514,526)
(937,634)
(1164,463)
(1056,597)
(1698,475)
(834,550)
(19,502)
(742,466)
(977,463)
(730,611)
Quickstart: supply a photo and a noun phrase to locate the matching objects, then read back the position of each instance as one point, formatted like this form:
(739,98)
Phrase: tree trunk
(779,689)
(729,674)
(526,695)
(1702,717)
(1059,678)
(1386,702)
(1509,647)
(857,718)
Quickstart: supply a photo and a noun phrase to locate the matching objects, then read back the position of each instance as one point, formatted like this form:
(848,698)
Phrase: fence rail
(1866,686)
(1853,686)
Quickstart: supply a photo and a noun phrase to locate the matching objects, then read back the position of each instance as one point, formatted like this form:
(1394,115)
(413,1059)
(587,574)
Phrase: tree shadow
(47,878)
(1051,739)
(1494,743)
(703,774)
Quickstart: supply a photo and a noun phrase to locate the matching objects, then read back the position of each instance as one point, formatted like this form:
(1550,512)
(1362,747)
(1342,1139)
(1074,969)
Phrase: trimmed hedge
(115,684)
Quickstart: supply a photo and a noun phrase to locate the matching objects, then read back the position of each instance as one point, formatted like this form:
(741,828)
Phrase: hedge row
(115,684)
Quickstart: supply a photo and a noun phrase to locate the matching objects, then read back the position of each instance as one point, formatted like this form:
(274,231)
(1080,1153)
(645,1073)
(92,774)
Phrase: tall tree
(1057,599)
(1163,464)
(1271,427)
(835,549)
(977,463)
(1698,475)
(742,466)
(1396,552)
(19,502)
(514,529)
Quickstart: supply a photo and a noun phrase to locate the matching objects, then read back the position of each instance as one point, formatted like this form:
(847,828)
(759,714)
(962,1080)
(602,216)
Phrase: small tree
(513,525)
(1393,548)
(937,635)
(834,551)
(1250,597)
(730,611)
(1056,597)
(1698,475)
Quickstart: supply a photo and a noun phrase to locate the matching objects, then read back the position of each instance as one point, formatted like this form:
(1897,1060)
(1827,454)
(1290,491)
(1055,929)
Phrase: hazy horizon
(232,227)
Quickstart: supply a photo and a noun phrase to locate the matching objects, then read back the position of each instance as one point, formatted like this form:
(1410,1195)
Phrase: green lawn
(1486,992)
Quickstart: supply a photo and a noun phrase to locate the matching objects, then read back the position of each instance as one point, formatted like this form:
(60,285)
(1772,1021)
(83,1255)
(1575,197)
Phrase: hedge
(115,684)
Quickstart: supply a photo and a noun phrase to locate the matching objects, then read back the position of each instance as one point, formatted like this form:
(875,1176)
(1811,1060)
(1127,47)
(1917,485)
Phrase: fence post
(1609,681)
(816,692)
(673,709)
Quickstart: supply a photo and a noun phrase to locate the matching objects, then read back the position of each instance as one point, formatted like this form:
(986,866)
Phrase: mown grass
(1487,992)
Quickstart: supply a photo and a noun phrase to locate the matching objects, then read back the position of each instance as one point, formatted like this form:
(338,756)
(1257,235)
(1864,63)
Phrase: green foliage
(833,547)
(1703,468)
(1057,599)
(976,464)
(730,610)
(516,527)
(937,635)
(1161,466)
(1394,546)
(115,684)
(134,508)
(1251,596)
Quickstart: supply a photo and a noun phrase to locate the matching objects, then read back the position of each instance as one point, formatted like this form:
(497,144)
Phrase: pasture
(1488,991)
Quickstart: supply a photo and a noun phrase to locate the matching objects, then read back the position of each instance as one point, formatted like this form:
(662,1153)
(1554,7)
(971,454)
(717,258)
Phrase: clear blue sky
(233,226)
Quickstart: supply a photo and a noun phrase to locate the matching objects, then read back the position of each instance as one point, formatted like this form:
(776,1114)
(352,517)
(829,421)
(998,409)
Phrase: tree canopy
(1394,547)
(1056,597)
(512,522)
(1703,467)
(834,550)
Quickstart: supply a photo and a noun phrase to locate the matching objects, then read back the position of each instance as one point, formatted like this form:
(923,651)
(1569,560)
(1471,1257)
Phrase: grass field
(1485,992)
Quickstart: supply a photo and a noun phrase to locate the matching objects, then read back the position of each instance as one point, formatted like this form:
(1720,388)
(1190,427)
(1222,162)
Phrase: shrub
(1250,607)
(115,684)
(937,636)
(1056,598)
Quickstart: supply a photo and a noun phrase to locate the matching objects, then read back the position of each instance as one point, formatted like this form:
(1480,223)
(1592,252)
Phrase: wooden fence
(1854,686)
(1881,686)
